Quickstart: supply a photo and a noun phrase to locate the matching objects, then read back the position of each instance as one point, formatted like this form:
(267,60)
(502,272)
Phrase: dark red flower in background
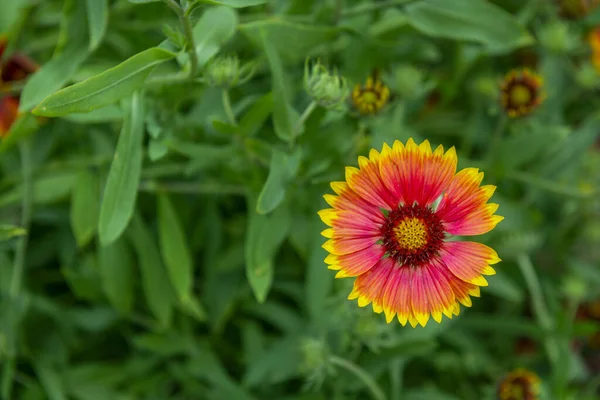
(12,69)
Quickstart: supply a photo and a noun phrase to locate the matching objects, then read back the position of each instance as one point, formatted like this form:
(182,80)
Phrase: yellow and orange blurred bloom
(389,224)
(594,41)
(15,68)
(519,384)
(521,92)
(372,97)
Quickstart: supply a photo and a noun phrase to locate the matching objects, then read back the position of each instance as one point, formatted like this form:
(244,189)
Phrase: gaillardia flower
(372,97)
(390,223)
(15,68)
(594,41)
(520,384)
(521,92)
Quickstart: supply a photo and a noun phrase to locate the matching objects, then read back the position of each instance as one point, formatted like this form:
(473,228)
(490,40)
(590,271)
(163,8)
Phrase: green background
(173,247)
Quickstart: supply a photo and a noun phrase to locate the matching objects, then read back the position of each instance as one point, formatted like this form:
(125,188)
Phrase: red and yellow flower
(390,223)
(16,68)
(521,92)
(520,384)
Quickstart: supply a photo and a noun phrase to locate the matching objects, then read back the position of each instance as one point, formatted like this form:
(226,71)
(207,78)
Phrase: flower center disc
(412,235)
(369,97)
(520,95)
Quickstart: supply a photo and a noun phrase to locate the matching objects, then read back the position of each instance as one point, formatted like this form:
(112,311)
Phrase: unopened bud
(327,89)
(226,72)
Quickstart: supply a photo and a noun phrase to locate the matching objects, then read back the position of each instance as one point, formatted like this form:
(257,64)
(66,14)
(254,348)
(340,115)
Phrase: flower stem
(495,141)
(360,374)
(227,106)
(20,254)
(539,305)
(302,120)
(184,18)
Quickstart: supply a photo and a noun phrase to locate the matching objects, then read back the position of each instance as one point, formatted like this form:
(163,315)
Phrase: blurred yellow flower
(521,92)
(372,97)
(519,384)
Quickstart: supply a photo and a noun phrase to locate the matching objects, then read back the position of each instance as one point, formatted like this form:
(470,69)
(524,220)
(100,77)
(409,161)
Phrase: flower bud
(226,72)
(327,89)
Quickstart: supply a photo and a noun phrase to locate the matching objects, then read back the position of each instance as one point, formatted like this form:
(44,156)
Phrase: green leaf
(282,170)
(234,3)
(283,113)
(292,40)
(256,116)
(9,16)
(25,125)
(102,115)
(191,306)
(71,52)
(216,26)
(174,248)
(264,236)
(97,15)
(105,88)
(143,1)
(123,179)
(224,128)
(10,231)
(319,279)
(85,207)
(51,381)
(472,20)
(117,275)
(155,281)
(46,189)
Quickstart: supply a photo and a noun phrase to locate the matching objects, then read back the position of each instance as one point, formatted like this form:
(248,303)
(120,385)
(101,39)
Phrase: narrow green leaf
(155,281)
(102,115)
(472,20)
(174,248)
(282,170)
(264,236)
(51,381)
(123,179)
(105,88)
(319,279)
(224,128)
(9,16)
(193,307)
(85,207)
(256,116)
(25,125)
(117,274)
(143,1)
(71,52)
(234,3)
(97,14)
(292,40)
(216,26)
(283,114)
(10,231)
(46,189)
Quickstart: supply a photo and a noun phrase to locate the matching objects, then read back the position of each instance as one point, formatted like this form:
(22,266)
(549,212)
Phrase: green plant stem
(227,106)
(360,374)
(539,305)
(20,254)
(184,18)
(495,141)
(302,120)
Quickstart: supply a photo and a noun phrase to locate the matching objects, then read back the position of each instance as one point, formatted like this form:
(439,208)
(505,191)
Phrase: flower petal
(463,208)
(367,182)
(413,173)
(469,261)
(341,246)
(357,263)
(431,293)
(370,286)
(349,200)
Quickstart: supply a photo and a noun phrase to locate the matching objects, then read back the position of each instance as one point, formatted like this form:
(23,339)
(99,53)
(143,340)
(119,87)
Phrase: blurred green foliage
(159,235)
